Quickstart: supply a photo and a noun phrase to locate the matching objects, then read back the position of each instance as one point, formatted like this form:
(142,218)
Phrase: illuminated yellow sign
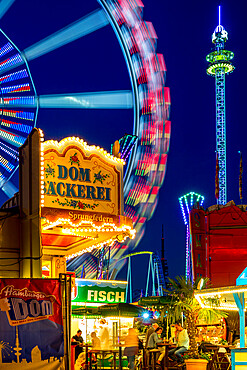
(81,177)
(81,198)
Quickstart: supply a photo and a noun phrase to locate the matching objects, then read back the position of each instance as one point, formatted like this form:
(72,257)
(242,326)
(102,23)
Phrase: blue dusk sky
(96,63)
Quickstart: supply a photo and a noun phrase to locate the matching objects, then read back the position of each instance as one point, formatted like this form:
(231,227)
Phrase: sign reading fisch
(98,291)
(81,177)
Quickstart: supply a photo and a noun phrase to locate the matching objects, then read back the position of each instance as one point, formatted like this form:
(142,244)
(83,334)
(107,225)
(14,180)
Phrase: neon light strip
(2,177)
(14,76)
(16,126)
(6,164)
(19,114)
(10,151)
(6,49)
(15,89)
(24,100)
(189,205)
(15,59)
(13,139)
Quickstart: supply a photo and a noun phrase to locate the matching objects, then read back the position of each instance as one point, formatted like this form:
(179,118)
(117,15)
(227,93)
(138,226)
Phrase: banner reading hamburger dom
(31,329)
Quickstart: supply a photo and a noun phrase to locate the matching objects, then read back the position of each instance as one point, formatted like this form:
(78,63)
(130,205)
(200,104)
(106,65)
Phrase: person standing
(104,335)
(182,344)
(131,347)
(78,338)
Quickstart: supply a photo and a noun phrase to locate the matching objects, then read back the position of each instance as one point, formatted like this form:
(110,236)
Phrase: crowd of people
(100,342)
(181,339)
(131,343)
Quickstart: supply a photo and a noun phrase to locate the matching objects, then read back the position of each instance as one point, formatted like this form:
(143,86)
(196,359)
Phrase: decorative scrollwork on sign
(107,173)
(60,264)
(111,206)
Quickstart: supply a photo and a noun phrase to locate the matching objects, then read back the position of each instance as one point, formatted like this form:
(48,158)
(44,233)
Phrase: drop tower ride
(219,65)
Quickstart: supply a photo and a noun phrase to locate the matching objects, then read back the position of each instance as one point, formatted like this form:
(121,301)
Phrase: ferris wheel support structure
(148,98)
(154,269)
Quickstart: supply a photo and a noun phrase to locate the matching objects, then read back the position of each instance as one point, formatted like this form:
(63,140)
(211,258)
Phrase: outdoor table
(167,347)
(86,345)
(103,352)
(93,351)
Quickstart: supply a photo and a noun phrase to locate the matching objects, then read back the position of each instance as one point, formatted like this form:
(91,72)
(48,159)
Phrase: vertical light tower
(187,202)
(220,65)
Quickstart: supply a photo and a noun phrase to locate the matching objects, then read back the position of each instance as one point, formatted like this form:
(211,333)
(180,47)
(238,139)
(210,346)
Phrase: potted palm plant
(184,302)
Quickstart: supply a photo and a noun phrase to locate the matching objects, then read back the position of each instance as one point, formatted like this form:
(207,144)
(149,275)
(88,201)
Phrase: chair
(172,365)
(152,353)
(222,362)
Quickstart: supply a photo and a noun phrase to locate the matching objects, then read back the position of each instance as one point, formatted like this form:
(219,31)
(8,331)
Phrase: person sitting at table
(95,346)
(95,341)
(153,343)
(182,344)
(150,331)
(78,338)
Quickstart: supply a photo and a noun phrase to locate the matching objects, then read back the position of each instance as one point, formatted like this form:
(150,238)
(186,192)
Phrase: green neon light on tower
(219,65)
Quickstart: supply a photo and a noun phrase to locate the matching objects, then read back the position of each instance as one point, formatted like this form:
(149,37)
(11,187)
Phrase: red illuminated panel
(227,239)
(197,229)
(59,240)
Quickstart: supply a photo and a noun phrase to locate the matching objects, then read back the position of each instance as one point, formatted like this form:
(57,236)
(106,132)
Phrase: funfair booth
(89,297)
(218,242)
(98,306)
(70,202)
(95,299)
(230,298)
(81,201)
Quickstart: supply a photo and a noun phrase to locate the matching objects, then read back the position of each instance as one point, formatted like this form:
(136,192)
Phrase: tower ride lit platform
(219,65)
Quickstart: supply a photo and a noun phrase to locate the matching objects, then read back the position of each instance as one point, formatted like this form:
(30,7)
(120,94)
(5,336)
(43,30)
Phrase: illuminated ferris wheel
(148,98)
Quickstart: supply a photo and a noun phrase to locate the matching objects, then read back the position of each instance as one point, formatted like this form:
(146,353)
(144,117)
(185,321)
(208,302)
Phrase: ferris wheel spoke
(95,100)
(4,6)
(9,188)
(84,26)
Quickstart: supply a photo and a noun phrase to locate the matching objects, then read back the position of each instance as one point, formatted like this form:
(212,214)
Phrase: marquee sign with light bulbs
(81,198)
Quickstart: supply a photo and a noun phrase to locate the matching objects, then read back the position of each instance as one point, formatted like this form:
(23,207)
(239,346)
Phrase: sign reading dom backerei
(98,291)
